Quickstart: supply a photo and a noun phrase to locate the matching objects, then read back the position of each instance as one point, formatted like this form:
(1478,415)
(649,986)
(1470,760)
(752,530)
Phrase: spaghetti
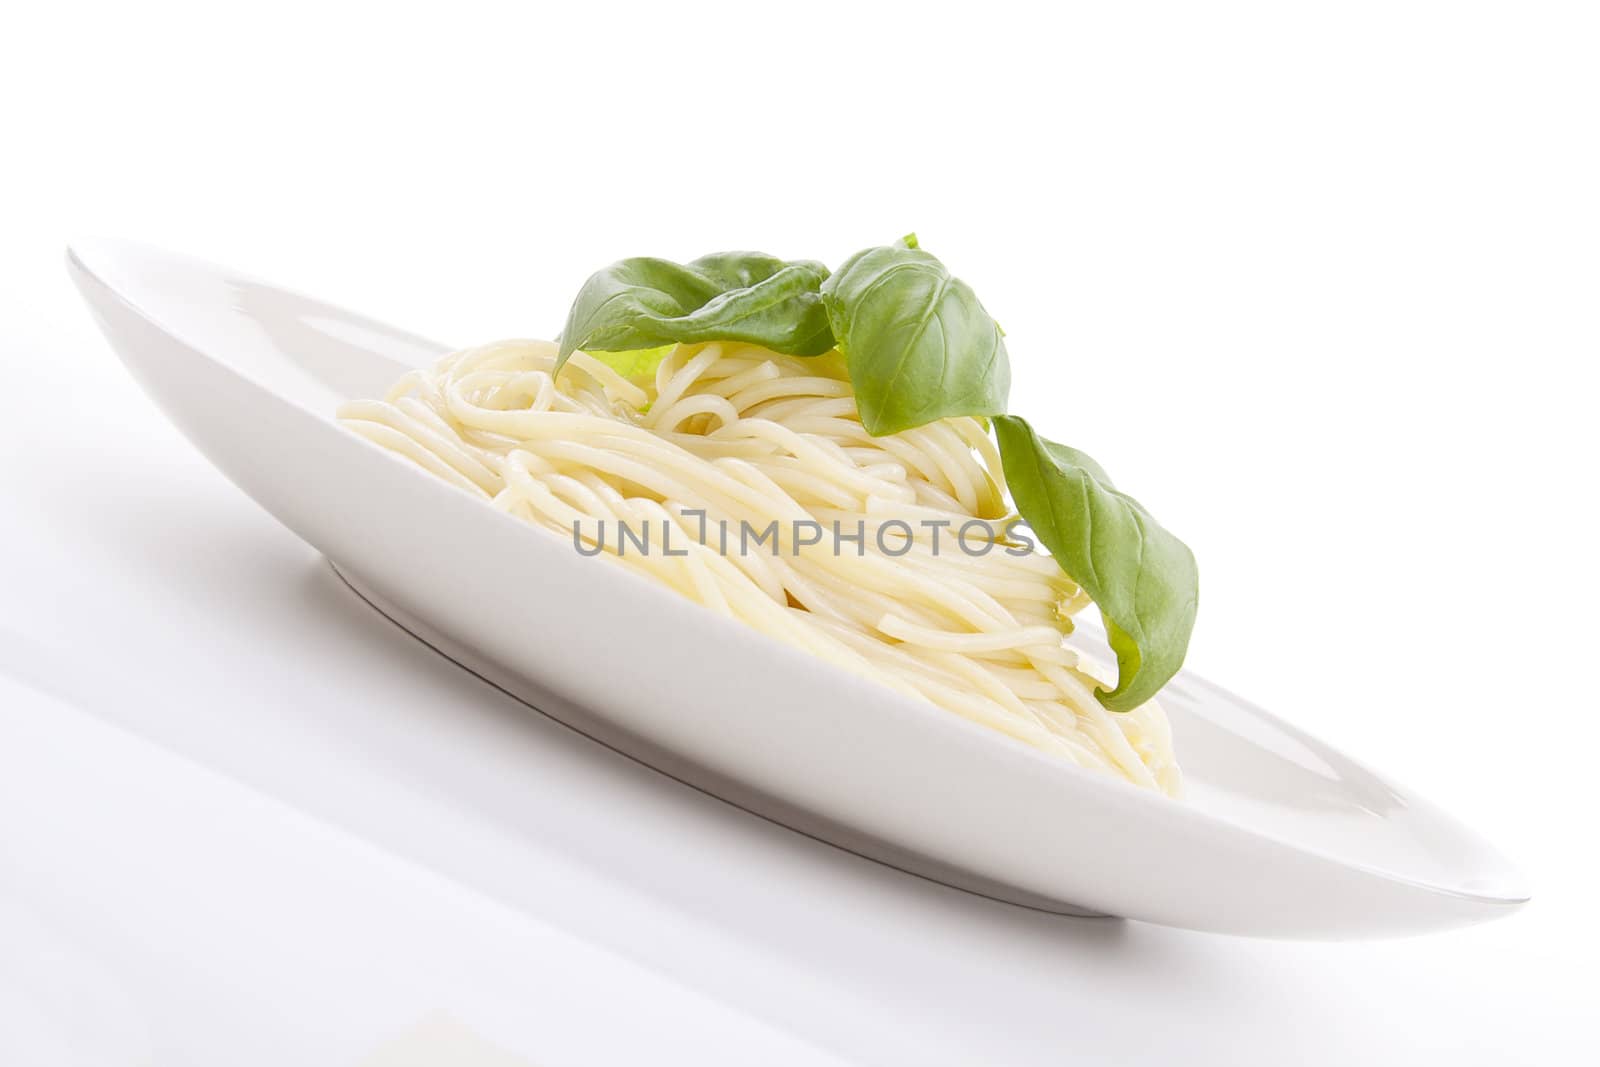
(720,439)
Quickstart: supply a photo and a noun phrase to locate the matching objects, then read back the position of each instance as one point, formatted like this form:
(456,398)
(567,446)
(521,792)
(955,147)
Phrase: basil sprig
(918,344)
(919,348)
(1142,578)
(729,296)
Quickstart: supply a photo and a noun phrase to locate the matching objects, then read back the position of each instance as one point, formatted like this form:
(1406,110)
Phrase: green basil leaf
(731,296)
(1142,578)
(638,364)
(919,345)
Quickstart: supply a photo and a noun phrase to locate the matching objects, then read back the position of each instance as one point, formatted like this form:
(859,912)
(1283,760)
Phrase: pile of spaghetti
(719,438)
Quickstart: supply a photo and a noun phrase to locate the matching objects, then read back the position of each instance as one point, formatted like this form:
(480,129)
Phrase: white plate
(1280,835)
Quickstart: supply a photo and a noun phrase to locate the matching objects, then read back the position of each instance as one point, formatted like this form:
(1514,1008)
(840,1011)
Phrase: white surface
(241,931)
(1342,256)
(1278,834)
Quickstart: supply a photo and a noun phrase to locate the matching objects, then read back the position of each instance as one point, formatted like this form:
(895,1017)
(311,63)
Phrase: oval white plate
(1280,835)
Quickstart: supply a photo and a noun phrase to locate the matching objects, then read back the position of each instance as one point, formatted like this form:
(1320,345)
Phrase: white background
(1316,282)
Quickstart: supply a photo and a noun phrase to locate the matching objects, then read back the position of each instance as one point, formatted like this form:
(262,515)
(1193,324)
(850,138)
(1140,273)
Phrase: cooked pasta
(893,557)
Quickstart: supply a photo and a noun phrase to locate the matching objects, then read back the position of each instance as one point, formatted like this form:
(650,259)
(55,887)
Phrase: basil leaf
(919,345)
(731,296)
(638,364)
(1143,579)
